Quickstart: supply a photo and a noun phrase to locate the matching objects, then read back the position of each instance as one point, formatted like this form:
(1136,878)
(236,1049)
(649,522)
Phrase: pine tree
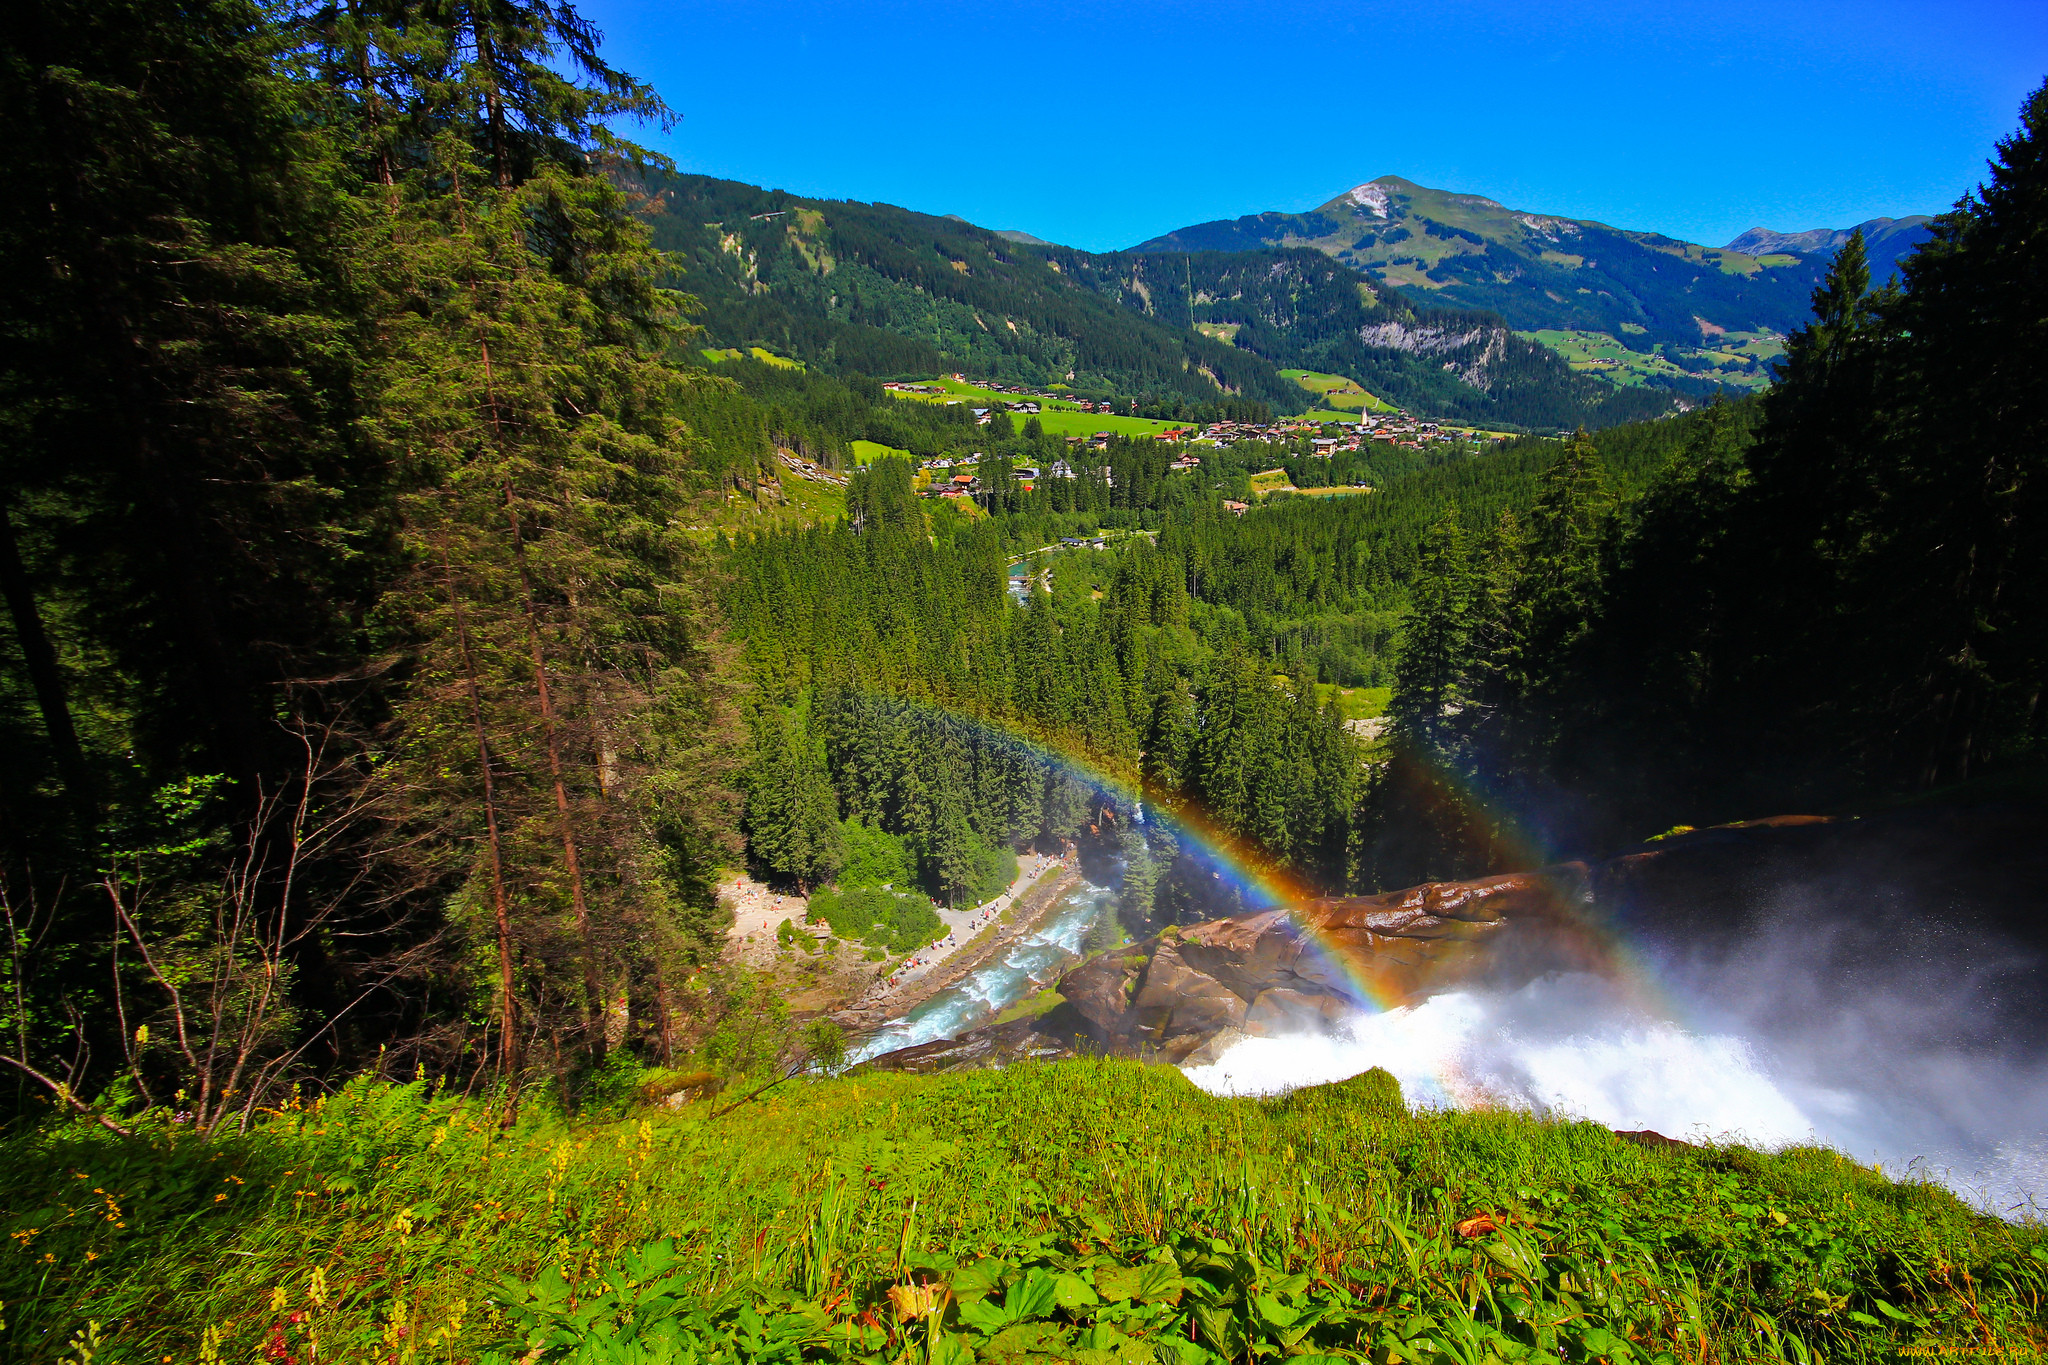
(1434,660)
(1963,499)
(517,379)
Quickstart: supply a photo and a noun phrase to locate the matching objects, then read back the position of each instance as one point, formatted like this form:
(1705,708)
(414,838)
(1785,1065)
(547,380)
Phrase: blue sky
(1098,125)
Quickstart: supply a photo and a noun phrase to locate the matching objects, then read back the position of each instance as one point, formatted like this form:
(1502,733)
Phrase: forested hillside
(869,288)
(363,694)
(1846,600)
(884,291)
(1300,310)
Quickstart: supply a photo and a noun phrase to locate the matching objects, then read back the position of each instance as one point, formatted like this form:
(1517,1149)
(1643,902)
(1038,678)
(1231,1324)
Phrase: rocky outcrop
(1904,878)
(1306,968)
(998,1045)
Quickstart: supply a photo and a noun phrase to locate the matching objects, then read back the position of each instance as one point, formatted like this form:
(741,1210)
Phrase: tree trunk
(508,1044)
(44,676)
(550,729)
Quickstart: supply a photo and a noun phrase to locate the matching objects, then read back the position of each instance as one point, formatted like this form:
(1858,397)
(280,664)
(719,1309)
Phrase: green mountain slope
(886,291)
(1301,310)
(1706,308)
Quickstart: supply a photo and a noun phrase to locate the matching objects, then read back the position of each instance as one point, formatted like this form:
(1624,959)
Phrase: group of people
(982,919)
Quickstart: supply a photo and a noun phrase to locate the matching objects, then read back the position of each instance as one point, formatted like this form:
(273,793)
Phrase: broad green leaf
(1034,1297)
(984,1316)
(1071,1292)
(1160,1283)
(1119,1283)
(974,1281)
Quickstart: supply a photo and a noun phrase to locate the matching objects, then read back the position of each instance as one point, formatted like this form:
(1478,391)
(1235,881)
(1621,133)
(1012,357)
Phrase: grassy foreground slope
(1096,1211)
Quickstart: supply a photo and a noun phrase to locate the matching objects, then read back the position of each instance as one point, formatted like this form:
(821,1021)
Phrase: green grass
(1356,703)
(1032,1007)
(766,357)
(867,452)
(1338,391)
(1088,423)
(1599,353)
(1089,1211)
(1057,419)
(806,502)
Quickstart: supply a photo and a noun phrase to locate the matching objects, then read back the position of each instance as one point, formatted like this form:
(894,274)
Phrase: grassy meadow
(1056,420)
(1603,354)
(1338,392)
(867,452)
(766,357)
(1095,1211)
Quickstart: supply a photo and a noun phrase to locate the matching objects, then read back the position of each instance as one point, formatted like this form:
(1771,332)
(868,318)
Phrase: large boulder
(1304,969)
(1188,994)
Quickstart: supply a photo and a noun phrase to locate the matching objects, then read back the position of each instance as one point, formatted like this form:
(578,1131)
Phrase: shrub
(994,869)
(896,921)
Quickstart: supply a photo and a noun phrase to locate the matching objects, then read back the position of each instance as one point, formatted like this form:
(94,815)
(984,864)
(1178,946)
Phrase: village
(958,476)
(949,477)
(1396,426)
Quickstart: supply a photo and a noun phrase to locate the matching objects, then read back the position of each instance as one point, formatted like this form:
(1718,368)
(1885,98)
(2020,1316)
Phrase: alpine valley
(600,766)
(1448,305)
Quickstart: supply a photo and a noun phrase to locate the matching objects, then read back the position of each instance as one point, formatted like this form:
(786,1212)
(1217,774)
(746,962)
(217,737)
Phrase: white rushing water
(1576,1046)
(1030,964)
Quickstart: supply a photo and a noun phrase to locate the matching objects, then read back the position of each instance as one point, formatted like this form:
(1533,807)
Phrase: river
(1029,965)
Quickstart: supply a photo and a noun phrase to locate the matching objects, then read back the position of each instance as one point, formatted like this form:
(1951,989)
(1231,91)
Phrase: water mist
(1890,1039)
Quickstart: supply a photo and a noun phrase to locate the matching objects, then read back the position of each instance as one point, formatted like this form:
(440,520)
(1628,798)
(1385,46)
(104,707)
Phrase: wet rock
(1284,1010)
(1099,990)
(1210,1050)
(1645,1137)
(981,1049)
(1177,999)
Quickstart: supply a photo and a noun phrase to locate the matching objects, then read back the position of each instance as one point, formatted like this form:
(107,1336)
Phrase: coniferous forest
(381,676)
(398,661)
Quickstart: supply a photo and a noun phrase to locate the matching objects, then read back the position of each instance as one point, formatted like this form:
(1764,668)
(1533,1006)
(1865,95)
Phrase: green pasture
(867,452)
(1056,420)
(766,357)
(1599,353)
(1355,703)
(1338,391)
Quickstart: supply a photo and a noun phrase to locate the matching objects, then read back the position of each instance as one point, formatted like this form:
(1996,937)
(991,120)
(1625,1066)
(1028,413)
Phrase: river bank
(889,1000)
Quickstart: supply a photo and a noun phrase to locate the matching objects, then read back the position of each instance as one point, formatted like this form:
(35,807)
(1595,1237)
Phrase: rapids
(1028,965)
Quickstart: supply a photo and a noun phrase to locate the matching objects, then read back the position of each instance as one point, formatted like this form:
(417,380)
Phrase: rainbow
(1248,875)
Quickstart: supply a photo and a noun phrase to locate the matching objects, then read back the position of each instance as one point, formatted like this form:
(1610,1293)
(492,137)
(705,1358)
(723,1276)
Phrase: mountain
(1885,240)
(1713,312)
(1300,309)
(888,291)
